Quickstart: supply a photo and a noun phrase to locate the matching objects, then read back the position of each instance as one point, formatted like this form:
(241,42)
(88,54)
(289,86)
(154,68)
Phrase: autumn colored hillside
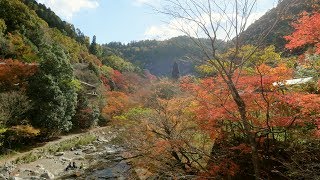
(248,112)
(283,27)
(53,80)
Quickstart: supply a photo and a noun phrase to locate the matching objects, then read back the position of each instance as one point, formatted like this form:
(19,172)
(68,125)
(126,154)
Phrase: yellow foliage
(24,131)
(205,70)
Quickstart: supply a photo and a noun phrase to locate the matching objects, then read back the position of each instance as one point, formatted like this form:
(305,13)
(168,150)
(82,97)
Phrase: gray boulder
(2,177)
(59,154)
(7,169)
(15,178)
(47,175)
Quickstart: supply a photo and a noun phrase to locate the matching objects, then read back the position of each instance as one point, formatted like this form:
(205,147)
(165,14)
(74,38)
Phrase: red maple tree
(272,110)
(307,32)
(14,74)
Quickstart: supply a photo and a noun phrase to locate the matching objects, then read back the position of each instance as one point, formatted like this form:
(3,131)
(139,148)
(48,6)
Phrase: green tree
(93,49)
(3,41)
(20,48)
(3,27)
(17,15)
(118,63)
(53,92)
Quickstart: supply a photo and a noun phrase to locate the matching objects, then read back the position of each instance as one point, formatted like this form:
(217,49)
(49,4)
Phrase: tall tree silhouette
(175,71)
(93,49)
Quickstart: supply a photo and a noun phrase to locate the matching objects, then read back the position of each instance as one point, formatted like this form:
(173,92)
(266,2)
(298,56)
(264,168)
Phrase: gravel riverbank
(100,159)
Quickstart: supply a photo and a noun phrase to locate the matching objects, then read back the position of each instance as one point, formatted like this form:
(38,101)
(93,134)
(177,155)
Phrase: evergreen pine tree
(175,71)
(93,49)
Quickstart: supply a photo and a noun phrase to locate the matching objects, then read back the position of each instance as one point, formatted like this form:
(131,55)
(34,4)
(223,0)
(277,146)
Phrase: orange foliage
(216,106)
(117,103)
(244,148)
(225,168)
(307,31)
(14,74)
(161,146)
(134,82)
(119,80)
(125,82)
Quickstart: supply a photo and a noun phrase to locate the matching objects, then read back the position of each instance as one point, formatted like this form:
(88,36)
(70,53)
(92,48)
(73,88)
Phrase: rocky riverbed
(101,159)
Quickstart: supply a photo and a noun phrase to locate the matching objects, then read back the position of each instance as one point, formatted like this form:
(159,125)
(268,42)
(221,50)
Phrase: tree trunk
(247,127)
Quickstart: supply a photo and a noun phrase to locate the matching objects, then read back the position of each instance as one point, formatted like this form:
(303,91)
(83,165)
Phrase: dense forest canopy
(159,56)
(62,64)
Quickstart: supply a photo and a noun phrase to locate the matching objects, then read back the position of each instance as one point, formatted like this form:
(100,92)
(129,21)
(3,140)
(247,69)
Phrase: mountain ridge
(283,27)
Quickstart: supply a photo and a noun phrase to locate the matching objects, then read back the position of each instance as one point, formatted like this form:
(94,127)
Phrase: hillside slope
(54,82)
(159,56)
(283,27)
(55,21)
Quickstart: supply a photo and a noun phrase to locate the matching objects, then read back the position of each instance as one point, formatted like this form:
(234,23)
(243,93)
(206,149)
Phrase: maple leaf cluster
(215,105)
(307,32)
(14,74)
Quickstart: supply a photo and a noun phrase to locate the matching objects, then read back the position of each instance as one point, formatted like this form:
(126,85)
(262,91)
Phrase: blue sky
(122,20)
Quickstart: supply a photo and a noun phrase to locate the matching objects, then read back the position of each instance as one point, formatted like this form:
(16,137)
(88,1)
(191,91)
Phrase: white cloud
(254,17)
(173,27)
(162,32)
(223,14)
(146,2)
(67,8)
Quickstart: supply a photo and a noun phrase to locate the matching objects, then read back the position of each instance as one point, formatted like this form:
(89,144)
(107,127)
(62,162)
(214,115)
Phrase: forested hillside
(281,23)
(52,79)
(159,56)
(54,21)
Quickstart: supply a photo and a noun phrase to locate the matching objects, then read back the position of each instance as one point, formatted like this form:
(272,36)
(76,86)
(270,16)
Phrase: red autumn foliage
(243,148)
(14,74)
(134,82)
(226,168)
(149,76)
(307,32)
(267,105)
(119,80)
(105,82)
(127,82)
